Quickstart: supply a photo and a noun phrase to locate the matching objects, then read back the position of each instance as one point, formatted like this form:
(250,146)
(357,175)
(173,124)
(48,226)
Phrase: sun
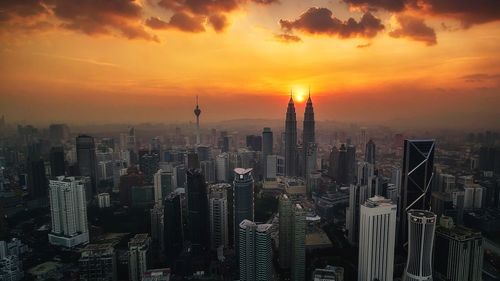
(299,96)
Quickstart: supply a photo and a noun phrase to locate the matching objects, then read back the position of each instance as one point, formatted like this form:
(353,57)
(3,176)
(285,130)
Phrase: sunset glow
(55,55)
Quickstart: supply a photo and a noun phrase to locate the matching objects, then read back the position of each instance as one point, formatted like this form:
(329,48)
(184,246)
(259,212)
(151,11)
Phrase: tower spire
(197,112)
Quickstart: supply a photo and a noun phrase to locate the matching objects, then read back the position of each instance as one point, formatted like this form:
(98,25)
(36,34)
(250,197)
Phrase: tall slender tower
(197,112)
(308,136)
(421,226)
(290,139)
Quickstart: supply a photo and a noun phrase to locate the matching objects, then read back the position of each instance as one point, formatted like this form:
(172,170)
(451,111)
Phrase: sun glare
(299,96)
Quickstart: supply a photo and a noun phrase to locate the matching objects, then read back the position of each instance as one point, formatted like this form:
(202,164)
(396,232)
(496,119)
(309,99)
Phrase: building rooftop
(242,171)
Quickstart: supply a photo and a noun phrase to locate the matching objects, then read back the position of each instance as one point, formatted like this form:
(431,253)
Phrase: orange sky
(124,61)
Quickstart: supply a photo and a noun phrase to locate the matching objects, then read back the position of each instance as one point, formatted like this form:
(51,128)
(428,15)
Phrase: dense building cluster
(185,202)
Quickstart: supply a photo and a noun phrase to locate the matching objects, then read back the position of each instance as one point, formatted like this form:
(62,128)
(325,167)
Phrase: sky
(407,63)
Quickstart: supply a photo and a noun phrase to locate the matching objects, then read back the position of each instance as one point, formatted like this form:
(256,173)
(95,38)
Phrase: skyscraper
(86,156)
(370,152)
(290,140)
(198,217)
(222,167)
(458,254)
(57,165)
(149,164)
(197,112)
(342,175)
(352,214)
(285,231)
(162,185)
(267,148)
(138,256)
(68,212)
(308,135)
(417,175)
(243,198)
(377,237)
(157,230)
(298,262)
(255,256)
(172,224)
(98,262)
(218,205)
(421,226)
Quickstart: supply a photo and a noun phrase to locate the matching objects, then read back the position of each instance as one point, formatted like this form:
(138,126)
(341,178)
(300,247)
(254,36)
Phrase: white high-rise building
(473,196)
(255,254)
(138,258)
(68,212)
(421,227)
(103,200)
(219,229)
(162,185)
(377,237)
(222,167)
(275,166)
(285,231)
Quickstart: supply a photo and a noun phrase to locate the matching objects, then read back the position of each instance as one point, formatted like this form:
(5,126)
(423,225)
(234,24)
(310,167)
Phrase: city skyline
(437,61)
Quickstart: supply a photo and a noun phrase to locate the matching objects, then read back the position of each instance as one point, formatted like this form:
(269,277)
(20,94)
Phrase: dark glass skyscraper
(198,217)
(172,227)
(309,132)
(57,166)
(370,152)
(290,140)
(243,198)
(86,157)
(417,175)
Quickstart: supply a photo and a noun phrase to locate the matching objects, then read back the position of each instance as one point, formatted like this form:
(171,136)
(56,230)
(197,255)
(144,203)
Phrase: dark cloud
(480,77)
(469,12)
(103,17)
(10,9)
(389,5)
(218,22)
(185,22)
(287,38)
(321,21)
(213,12)
(415,29)
(122,17)
(180,21)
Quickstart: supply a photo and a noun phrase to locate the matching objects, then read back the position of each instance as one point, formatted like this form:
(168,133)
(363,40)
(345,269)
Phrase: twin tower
(300,160)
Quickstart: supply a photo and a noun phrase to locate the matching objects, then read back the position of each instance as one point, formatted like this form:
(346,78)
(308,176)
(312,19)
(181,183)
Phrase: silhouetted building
(132,178)
(417,175)
(342,175)
(370,152)
(149,164)
(291,140)
(333,163)
(243,198)
(285,231)
(138,256)
(308,134)
(37,180)
(86,157)
(98,263)
(198,216)
(57,164)
(173,225)
(254,142)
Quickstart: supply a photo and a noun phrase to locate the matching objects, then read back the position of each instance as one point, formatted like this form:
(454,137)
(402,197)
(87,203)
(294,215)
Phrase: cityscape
(165,140)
